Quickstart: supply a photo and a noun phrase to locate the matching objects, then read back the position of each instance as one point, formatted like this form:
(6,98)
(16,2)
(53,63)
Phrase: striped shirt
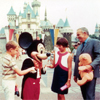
(8,65)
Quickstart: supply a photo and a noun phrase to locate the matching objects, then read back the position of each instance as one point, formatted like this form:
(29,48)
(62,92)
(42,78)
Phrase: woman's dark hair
(63,42)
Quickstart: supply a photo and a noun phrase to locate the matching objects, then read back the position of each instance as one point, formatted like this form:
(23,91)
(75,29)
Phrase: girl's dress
(60,72)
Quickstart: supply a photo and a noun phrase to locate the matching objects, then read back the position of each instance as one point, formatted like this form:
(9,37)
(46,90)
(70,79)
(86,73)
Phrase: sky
(80,13)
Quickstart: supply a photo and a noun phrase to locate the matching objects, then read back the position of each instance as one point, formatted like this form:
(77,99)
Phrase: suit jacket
(92,47)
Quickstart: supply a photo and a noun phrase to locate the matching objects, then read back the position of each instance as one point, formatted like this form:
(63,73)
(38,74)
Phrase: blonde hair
(11,44)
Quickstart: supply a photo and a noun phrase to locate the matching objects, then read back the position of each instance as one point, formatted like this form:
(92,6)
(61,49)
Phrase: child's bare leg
(16,90)
(61,97)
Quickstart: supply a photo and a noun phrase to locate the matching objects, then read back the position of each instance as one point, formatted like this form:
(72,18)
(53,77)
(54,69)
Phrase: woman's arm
(69,61)
(53,64)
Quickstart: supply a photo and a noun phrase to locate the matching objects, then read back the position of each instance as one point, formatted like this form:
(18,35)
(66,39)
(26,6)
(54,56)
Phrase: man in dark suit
(92,47)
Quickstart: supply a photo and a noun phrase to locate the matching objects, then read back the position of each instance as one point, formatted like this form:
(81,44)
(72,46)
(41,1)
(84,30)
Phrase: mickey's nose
(48,54)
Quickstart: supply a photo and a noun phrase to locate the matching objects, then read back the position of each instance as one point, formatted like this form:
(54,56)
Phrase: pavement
(45,84)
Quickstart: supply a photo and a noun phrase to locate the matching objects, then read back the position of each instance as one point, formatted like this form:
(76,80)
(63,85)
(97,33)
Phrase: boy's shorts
(9,89)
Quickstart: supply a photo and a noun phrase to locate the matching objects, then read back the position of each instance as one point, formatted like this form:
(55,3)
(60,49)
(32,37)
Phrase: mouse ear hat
(25,40)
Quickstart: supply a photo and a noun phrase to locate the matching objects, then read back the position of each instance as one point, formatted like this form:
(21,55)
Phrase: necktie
(83,44)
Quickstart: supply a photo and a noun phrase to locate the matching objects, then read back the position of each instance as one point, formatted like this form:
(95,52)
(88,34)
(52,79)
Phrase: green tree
(94,37)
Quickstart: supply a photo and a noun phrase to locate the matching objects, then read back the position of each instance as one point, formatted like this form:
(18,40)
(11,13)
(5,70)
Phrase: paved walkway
(46,81)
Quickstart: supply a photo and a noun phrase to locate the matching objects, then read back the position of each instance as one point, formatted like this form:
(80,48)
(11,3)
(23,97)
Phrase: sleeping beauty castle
(29,21)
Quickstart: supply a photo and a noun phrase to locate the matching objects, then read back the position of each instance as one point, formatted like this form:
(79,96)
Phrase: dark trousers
(74,57)
(88,90)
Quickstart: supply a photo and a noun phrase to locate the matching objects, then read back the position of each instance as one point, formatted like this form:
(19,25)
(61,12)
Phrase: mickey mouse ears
(25,40)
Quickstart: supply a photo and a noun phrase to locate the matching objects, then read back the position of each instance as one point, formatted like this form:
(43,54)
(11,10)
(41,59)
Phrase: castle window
(28,15)
(28,25)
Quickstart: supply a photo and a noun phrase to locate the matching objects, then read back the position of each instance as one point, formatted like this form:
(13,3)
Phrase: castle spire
(45,15)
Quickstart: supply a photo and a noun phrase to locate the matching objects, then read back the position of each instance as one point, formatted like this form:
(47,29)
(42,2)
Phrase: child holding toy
(10,69)
(63,69)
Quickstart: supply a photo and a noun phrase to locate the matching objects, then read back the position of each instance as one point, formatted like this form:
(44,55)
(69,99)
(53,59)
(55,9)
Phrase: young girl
(63,69)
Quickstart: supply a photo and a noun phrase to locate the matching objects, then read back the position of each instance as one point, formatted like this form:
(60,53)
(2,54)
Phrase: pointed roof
(45,15)
(48,23)
(96,31)
(60,23)
(10,24)
(66,24)
(20,14)
(2,31)
(28,8)
(96,26)
(42,23)
(45,12)
(25,3)
(11,12)
(45,23)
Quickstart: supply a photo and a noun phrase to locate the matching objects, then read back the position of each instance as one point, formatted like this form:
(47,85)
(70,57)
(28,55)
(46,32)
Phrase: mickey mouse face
(34,48)
(40,48)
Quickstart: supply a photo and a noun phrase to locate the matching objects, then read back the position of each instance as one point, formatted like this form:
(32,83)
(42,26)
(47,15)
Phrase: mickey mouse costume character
(31,81)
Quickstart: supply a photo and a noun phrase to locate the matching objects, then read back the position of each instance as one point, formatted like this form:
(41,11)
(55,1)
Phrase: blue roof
(25,3)
(66,24)
(45,23)
(28,8)
(96,30)
(42,23)
(2,31)
(20,14)
(60,23)
(10,24)
(48,23)
(11,12)
(96,26)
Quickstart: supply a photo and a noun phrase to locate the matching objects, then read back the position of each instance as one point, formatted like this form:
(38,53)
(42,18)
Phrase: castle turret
(12,17)
(65,30)
(25,5)
(36,6)
(45,15)
(97,30)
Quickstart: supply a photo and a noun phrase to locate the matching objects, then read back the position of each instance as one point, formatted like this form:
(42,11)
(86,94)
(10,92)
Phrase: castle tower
(25,5)
(12,18)
(45,15)
(36,7)
(65,30)
(97,30)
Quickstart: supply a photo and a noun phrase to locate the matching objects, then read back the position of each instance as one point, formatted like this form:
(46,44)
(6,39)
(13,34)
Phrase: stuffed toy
(86,75)
(31,81)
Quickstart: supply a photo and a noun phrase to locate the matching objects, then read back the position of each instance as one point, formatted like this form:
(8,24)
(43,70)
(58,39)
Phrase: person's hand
(32,70)
(68,83)
(89,67)
(49,66)
(75,79)
(45,68)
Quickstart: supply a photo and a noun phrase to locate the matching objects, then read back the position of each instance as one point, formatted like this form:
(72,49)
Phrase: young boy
(10,69)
